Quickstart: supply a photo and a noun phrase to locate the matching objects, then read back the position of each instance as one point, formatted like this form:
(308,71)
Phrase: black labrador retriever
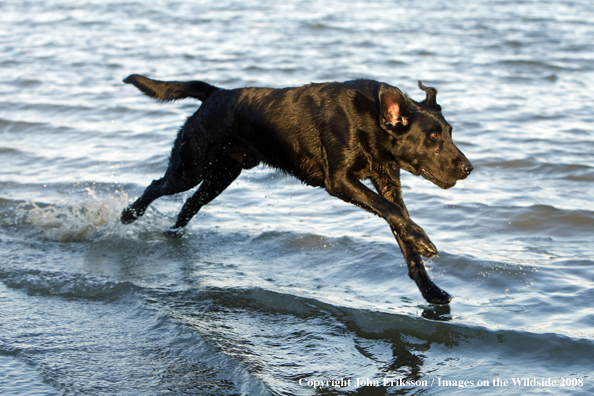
(329,135)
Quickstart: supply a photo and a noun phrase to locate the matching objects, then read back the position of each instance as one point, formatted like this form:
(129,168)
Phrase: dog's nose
(467,168)
(464,168)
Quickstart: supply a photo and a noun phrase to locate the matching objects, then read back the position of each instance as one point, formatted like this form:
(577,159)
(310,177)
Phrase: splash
(91,219)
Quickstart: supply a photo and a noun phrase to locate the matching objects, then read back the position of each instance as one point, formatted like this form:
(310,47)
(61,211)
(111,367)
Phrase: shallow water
(275,286)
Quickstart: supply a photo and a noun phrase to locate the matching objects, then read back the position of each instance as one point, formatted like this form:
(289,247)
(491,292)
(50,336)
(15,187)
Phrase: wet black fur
(329,135)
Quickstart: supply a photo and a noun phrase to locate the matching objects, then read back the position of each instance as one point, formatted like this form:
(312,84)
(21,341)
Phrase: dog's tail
(165,91)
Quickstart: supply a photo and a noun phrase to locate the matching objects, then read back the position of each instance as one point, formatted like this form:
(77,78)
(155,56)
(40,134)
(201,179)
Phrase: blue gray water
(275,286)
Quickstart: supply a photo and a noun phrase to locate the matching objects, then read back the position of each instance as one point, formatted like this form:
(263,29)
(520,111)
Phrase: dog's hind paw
(174,232)
(128,216)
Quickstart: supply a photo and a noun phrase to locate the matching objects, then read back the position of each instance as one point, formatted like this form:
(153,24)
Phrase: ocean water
(276,288)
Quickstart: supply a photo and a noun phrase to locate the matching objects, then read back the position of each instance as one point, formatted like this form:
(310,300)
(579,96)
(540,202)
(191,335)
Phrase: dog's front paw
(418,241)
(435,295)
(128,216)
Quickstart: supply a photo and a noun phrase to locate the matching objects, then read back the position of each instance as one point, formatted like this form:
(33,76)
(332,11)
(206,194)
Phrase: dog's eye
(433,135)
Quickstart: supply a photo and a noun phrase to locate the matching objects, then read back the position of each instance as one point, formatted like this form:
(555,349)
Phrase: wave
(18,126)
(68,319)
(49,283)
(388,344)
(570,171)
(531,64)
(558,222)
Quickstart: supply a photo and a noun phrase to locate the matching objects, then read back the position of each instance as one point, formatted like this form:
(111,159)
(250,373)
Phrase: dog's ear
(430,97)
(393,108)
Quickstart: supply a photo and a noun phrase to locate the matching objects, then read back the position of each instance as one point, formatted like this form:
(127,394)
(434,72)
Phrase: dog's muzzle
(464,169)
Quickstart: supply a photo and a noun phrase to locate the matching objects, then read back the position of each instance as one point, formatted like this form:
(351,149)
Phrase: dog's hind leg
(180,176)
(137,209)
(224,172)
(185,171)
(157,189)
(387,184)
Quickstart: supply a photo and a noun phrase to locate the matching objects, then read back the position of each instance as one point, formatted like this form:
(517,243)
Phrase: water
(275,286)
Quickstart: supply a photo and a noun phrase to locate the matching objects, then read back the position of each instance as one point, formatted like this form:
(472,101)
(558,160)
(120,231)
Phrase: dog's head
(423,142)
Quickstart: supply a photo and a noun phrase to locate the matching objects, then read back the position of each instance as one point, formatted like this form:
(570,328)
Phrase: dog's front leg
(387,184)
(350,189)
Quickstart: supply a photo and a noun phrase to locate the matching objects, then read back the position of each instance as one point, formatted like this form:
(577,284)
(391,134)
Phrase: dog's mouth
(427,175)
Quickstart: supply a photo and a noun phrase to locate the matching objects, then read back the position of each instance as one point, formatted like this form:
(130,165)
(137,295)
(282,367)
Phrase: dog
(330,135)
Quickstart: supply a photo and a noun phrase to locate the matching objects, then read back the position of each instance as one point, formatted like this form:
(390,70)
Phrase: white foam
(78,222)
